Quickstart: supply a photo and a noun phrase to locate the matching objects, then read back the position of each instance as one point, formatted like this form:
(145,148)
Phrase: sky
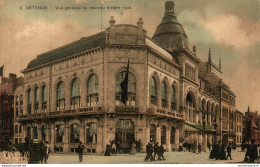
(231,28)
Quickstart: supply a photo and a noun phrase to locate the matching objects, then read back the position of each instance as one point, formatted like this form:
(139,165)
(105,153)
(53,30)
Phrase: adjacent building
(7,87)
(73,93)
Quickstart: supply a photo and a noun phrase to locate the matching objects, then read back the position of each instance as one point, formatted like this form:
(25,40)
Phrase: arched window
(36,100)
(164,95)
(131,88)
(163,134)
(92,91)
(16,129)
(74,133)
(59,133)
(29,101)
(173,102)
(44,98)
(91,132)
(21,104)
(60,97)
(20,128)
(29,131)
(75,94)
(43,132)
(153,91)
(35,133)
(172,137)
(152,133)
(190,107)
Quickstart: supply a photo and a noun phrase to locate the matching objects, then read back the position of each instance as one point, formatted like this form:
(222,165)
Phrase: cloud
(23,41)
(229,30)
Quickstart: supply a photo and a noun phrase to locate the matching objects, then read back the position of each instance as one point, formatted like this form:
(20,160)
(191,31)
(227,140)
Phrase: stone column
(33,100)
(99,148)
(40,100)
(39,133)
(158,135)
(25,103)
(66,137)
(204,143)
(83,98)
(52,130)
(54,99)
(148,134)
(82,134)
(177,136)
(67,95)
(210,139)
(168,139)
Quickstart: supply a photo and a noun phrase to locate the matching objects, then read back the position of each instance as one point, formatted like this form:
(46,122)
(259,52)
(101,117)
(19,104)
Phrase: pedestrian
(189,146)
(223,152)
(133,149)
(81,147)
(43,150)
(252,151)
(107,152)
(156,150)
(161,152)
(209,146)
(113,148)
(147,152)
(218,149)
(229,151)
(118,147)
(199,148)
(47,151)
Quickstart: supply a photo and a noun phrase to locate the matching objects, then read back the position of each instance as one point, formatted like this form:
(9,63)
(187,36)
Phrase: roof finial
(219,63)
(209,58)
(169,7)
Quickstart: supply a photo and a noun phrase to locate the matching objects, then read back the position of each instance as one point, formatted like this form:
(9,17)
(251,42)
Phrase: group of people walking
(45,150)
(113,148)
(154,149)
(220,152)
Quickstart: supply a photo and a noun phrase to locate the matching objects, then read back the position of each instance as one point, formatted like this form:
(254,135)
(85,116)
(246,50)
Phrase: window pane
(152,87)
(92,85)
(163,91)
(75,88)
(131,82)
(36,94)
(29,97)
(60,91)
(173,94)
(44,93)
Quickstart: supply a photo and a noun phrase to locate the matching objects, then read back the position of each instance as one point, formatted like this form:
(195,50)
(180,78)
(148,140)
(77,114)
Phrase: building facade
(73,93)
(7,87)
(239,127)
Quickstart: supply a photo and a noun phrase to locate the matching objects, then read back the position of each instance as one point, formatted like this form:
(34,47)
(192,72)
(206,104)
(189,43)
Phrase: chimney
(112,33)
(140,39)
(209,58)
(194,50)
(219,63)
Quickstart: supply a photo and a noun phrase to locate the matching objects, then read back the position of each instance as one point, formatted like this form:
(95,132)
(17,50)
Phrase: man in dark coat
(149,152)
(156,150)
(81,147)
(229,151)
(218,148)
(252,151)
(161,152)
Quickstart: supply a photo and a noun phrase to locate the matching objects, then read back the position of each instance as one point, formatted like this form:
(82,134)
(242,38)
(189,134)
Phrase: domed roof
(170,33)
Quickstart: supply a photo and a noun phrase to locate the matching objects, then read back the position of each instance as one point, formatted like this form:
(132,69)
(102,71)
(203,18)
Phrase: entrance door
(125,133)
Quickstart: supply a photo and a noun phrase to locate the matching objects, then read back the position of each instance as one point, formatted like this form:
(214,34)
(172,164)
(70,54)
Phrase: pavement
(138,158)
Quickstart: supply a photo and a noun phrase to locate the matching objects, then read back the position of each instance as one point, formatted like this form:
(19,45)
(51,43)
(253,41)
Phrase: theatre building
(74,93)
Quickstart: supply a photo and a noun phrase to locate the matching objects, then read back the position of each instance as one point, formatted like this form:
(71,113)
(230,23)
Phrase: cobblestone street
(171,158)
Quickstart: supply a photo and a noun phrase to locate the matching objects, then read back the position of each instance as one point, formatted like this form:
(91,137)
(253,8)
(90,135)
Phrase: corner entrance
(125,133)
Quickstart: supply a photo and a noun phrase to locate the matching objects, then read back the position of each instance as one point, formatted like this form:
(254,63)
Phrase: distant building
(73,93)
(252,130)
(7,87)
(238,127)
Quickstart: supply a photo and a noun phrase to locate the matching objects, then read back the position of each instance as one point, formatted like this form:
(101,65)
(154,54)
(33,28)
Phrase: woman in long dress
(133,149)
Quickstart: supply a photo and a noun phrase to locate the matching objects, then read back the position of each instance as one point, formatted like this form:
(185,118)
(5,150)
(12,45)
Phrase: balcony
(63,113)
(127,109)
(164,113)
